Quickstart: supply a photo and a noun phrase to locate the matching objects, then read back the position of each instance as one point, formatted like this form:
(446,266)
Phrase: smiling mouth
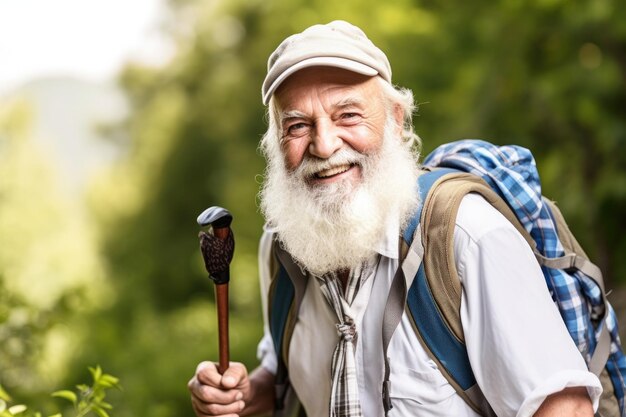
(331,172)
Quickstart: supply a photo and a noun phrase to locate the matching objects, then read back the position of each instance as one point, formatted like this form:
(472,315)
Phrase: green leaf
(106,405)
(99,411)
(83,387)
(109,381)
(57,415)
(68,395)
(16,409)
(96,373)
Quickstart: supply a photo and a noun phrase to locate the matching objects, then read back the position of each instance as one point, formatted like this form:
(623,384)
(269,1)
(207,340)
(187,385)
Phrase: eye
(296,130)
(296,127)
(350,118)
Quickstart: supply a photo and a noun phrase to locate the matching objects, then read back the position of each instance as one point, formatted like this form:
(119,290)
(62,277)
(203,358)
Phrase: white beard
(336,226)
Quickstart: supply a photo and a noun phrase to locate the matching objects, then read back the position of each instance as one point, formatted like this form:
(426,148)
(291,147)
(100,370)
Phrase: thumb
(235,373)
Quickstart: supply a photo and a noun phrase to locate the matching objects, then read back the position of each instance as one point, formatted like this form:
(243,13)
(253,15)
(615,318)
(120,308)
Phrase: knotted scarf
(344,397)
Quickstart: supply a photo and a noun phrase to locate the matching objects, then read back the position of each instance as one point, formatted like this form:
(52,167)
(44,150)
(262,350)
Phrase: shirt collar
(387,245)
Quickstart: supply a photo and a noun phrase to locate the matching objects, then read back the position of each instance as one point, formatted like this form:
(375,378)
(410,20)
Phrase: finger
(204,409)
(209,395)
(207,374)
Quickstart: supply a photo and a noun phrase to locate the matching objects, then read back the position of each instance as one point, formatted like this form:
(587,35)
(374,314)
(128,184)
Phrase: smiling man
(340,187)
(336,171)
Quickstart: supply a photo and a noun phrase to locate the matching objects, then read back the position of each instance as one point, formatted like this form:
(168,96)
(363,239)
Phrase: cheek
(293,152)
(366,140)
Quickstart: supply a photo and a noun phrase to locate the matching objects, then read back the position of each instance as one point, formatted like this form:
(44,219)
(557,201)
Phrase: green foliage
(50,270)
(90,399)
(86,400)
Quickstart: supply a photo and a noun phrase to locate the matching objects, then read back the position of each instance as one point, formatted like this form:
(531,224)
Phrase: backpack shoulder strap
(434,296)
(438,220)
(285,296)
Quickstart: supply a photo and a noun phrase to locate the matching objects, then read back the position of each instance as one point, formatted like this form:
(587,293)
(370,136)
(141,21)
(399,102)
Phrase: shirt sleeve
(517,343)
(265,349)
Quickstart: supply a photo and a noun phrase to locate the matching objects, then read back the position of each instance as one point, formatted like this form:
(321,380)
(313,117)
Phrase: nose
(326,139)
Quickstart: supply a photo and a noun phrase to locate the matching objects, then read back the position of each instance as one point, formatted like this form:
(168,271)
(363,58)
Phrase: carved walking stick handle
(217,251)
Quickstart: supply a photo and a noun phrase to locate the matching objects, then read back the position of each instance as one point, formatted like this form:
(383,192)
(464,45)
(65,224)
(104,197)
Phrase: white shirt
(519,348)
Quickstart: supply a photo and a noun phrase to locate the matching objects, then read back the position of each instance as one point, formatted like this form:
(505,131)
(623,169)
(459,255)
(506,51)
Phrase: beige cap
(336,44)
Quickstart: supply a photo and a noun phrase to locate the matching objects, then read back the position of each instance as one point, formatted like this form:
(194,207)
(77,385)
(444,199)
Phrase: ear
(398,116)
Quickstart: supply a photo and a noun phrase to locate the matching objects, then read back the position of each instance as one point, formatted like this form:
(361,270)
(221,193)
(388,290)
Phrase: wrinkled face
(341,169)
(326,110)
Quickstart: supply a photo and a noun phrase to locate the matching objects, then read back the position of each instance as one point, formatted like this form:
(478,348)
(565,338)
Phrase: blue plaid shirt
(512,172)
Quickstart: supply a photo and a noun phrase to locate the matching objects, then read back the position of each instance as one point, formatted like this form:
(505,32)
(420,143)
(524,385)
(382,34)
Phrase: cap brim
(336,62)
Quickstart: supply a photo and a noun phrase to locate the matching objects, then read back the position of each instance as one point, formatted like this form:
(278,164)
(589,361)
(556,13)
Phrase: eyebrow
(292,114)
(341,104)
(349,102)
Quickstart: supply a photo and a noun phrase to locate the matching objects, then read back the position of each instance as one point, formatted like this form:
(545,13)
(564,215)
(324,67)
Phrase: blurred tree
(50,271)
(548,75)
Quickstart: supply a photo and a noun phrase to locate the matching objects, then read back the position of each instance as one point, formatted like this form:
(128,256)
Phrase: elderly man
(340,187)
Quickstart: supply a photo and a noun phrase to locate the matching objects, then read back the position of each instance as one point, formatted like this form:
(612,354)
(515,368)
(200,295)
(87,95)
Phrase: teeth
(332,171)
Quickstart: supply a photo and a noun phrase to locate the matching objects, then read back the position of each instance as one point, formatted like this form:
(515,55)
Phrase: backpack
(507,178)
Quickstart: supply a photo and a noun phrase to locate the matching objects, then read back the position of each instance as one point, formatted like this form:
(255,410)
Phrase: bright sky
(85,38)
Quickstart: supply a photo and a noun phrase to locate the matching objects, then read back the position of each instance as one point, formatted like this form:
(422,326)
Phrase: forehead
(329,87)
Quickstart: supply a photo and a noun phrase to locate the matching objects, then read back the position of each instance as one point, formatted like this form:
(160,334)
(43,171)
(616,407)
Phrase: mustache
(311,165)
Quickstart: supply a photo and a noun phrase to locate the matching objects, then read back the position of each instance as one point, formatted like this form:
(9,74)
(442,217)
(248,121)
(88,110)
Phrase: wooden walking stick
(217,250)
